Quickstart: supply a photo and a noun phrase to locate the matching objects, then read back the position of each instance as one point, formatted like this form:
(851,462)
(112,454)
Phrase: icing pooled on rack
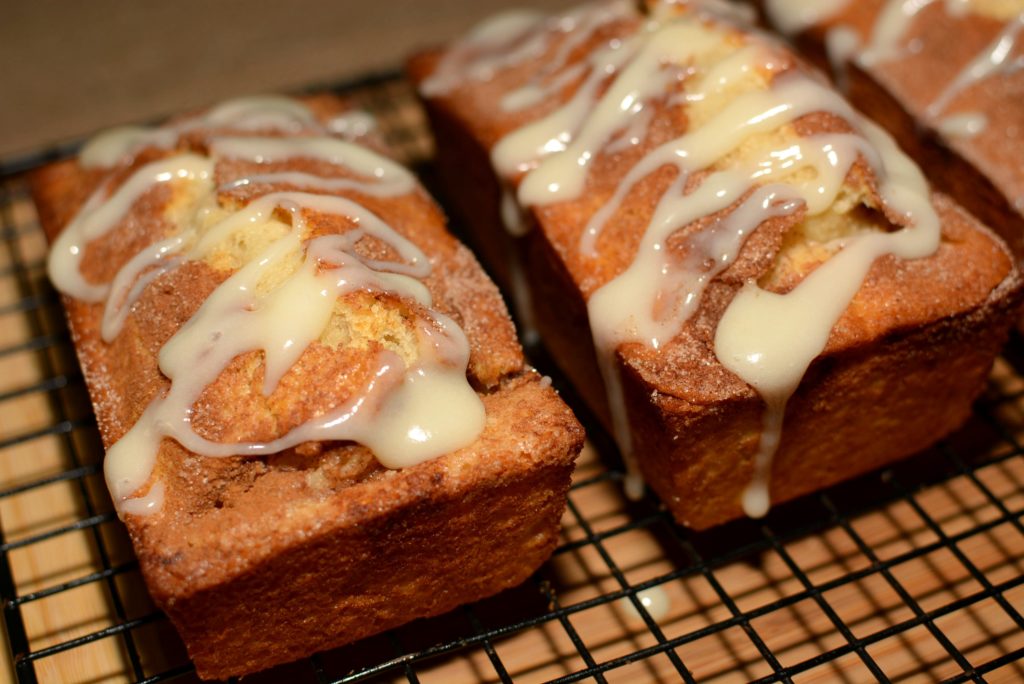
(738,162)
(415,405)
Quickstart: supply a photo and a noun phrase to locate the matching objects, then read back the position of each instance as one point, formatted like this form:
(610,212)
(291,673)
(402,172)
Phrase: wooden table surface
(71,68)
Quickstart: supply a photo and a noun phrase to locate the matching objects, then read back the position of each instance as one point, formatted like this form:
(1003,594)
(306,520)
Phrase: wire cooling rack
(915,573)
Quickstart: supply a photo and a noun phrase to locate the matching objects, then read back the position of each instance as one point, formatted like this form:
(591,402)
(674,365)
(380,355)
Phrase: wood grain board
(916,573)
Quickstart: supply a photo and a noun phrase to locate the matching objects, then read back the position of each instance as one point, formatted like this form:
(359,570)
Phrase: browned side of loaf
(983,173)
(900,370)
(376,555)
(261,561)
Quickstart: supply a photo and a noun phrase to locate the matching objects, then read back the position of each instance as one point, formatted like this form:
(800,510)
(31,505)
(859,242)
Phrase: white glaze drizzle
(108,148)
(392,178)
(513,218)
(795,16)
(101,213)
(996,59)
(487,49)
(380,176)
(652,299)
(254,113)
(352,125)
(578,27)
(404,414)
(891,25)
(962,125)
(526,147)
(133,278)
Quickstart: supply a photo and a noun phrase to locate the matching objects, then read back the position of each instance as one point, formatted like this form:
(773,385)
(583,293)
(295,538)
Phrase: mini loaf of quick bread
(945,77)
(318,419)
(749,283)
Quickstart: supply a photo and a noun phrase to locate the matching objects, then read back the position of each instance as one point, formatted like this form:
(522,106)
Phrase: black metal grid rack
(912,573)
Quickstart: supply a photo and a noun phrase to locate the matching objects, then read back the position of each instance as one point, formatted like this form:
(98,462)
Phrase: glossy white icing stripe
(561,172)
(113,146)
(841,45)
(533,94)
(513,37)
(487,49)
(388,178)
(254,113)
(577,28)
(963,125)
(133,278)
(523,148)
(101,213)
(353,124)
(891,24)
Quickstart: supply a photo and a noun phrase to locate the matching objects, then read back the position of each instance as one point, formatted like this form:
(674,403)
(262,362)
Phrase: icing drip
(656,601)
(841,45)
(110,147)
(408,411)
(766,339)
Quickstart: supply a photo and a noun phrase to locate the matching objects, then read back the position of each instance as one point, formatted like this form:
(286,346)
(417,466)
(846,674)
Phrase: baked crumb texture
(264,559)
(904,356)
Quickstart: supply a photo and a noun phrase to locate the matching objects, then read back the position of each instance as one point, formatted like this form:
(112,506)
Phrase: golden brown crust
(318,545)
(695,425)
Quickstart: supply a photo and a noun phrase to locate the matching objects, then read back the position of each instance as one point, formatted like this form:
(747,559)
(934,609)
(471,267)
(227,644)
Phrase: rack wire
(912,573)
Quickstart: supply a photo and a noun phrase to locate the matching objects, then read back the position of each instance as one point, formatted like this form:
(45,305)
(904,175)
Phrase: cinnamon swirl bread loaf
(318,420)
(749,283)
